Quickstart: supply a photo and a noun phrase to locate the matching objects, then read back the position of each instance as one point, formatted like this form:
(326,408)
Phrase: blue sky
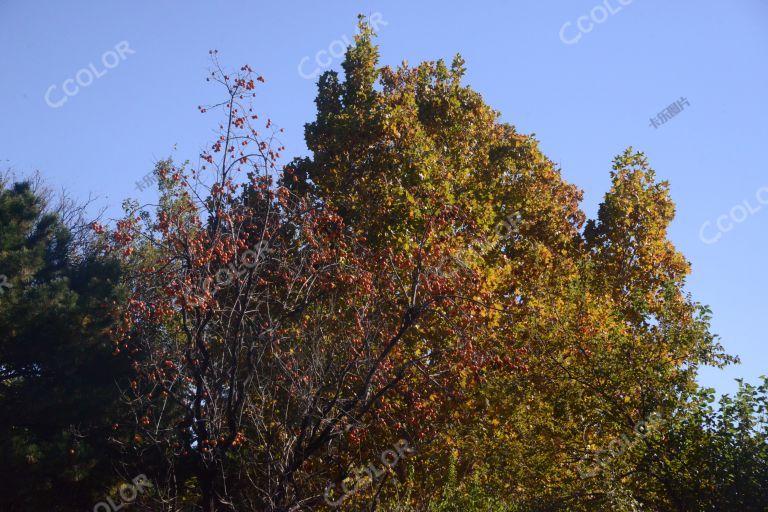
(585,76)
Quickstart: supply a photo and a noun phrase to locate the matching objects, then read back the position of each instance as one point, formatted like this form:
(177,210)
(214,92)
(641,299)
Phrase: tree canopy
(418,315)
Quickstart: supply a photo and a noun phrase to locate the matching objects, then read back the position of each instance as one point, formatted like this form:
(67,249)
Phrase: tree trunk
(208,486)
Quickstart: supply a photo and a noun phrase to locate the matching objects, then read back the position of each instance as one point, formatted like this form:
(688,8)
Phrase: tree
(58,379)
(711,456)
(596,317)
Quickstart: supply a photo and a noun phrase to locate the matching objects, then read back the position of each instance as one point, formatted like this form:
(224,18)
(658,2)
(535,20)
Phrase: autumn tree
(595,315)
